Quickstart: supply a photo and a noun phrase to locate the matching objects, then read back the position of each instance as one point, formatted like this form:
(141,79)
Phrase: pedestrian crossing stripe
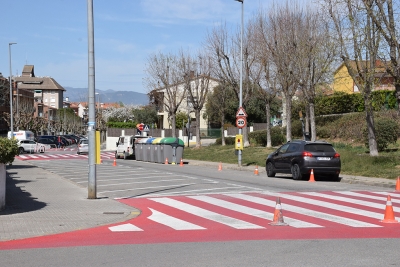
(60,156)
(361,209)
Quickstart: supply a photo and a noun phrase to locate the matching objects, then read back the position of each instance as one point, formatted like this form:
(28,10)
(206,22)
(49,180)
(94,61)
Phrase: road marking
(251,211)
(128,227)
(213,216)
(172,222)
(304,211)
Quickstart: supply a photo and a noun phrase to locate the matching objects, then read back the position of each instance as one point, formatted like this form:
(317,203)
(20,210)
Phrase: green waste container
(148,146)
(155,147)
(173,149)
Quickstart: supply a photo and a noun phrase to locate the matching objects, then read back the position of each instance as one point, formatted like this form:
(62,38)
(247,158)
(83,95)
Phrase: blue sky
(52,36)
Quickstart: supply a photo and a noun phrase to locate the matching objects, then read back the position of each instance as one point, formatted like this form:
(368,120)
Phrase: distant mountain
(107,96)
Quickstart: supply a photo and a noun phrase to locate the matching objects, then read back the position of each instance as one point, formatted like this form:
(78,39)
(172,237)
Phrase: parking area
(128,180)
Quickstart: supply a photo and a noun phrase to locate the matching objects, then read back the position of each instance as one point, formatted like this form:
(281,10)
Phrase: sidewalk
(39,202)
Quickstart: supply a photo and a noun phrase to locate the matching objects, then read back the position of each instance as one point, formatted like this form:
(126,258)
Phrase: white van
(126,146)
(22,135)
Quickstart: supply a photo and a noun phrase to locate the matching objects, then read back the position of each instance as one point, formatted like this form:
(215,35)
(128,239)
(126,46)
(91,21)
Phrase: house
(46,90)
(159,99)
(343,82)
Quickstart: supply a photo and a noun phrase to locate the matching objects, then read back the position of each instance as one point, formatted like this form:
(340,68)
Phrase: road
(199,216)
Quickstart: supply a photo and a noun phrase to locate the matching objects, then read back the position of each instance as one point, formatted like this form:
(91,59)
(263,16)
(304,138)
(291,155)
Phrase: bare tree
(282,38)
(165,74)
(359,44)
(386,18)
(225,53)
(314,59)
(198,83)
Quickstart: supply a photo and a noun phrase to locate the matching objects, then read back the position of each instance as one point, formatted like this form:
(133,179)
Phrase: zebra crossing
(56,156)
(345,210)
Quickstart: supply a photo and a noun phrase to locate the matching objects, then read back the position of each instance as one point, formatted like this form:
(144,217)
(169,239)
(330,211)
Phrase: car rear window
(319,148)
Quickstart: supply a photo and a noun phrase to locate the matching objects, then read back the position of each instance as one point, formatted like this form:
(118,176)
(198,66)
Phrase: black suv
(299,157)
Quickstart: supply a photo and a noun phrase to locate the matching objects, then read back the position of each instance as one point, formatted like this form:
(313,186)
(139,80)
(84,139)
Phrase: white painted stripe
(144,188)
(251,211)
(143,182)
(351,200)
(125,228)
(392,195)
(172,222)
(232,222)
(333,206)
(33,156)
(308,212)
(22,156)
(63,155)
(43,156)
(54,156)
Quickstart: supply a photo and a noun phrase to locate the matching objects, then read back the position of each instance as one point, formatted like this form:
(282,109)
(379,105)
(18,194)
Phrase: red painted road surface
(230,217)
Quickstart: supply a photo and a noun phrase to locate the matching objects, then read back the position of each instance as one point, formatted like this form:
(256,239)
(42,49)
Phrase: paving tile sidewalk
(42,203)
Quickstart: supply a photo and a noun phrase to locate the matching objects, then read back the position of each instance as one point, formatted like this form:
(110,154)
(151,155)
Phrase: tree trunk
(222,129)
(197,115)
(312,121)
(373,146)
(173,125)
(284,110)
(268,114)
(288,118)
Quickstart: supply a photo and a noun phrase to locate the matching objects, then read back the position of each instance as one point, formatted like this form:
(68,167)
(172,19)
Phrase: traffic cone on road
(398,183)
(115,162)
(101,161)
(312,176)
(278,217)
(166,161)
(256,170)
(220,167)
(389,214)
(181,163)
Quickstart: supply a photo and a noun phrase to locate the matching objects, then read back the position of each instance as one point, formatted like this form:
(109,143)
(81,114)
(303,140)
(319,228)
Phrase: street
(219,218)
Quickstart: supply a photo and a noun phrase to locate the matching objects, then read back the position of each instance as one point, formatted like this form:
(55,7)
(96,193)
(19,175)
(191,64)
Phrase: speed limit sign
(241,122)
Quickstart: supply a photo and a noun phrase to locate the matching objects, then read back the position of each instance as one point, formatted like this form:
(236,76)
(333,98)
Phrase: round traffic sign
(141,126)
(241,122)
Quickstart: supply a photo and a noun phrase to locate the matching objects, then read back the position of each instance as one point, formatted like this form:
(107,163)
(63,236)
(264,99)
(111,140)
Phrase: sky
(52,35)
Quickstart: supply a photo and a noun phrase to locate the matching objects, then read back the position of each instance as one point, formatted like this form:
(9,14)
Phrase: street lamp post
(241,77)
(11,94)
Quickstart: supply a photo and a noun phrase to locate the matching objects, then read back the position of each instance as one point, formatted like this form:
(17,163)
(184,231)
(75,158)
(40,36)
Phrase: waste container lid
(157,140)
(172,141)
(150,140)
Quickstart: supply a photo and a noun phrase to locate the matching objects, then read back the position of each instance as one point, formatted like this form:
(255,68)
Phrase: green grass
(355,159)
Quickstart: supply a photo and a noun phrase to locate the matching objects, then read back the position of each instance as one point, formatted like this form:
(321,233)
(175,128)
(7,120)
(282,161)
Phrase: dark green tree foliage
(386,131)
(8,150)
(146,115)
(181,120)
(119,124)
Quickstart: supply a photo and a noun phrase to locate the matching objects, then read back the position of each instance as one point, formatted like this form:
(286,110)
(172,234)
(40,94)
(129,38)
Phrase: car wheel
(78,153)
(296,172)
(21,150)
(270,169)
(336,178)
(116,155)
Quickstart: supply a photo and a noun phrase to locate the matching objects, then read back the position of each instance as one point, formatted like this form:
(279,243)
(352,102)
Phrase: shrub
(8,150)
(386,132)
(260,137)
(228,141)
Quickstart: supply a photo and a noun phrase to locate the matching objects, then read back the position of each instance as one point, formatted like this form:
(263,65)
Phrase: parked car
(29,146)
(83,146)
(299,157)
(47,141)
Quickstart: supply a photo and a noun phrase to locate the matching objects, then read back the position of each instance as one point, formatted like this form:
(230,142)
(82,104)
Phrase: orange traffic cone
(389,214)
(181,163)
(398,184)
(256,170)
(312,176)
(115,162)
(166,161)
(278,217)
(101,161)
(220,166)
